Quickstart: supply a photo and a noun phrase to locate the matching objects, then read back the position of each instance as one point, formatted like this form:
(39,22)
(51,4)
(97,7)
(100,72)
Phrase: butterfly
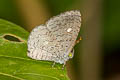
(54,40)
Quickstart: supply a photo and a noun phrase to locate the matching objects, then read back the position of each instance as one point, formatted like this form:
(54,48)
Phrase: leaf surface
(14,63)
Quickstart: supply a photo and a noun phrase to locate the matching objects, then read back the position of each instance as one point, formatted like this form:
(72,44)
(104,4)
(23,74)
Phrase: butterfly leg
(53,64)
(64,65)
(77,41)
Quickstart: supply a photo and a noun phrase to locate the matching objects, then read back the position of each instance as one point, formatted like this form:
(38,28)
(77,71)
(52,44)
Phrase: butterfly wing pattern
(56,39)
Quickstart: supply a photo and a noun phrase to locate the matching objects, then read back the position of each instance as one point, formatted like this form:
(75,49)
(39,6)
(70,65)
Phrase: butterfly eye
(69,29)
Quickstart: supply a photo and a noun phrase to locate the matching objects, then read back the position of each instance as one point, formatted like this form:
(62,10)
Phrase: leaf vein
(19,58)
(12,76)
(40,75)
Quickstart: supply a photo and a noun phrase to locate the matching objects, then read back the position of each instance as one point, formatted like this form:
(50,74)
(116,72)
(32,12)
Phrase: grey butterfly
(54,41)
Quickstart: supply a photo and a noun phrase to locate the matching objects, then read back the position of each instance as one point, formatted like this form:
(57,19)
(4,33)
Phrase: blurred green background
(97,56)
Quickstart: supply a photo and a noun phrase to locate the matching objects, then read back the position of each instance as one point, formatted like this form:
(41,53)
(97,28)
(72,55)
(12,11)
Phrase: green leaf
(14,63)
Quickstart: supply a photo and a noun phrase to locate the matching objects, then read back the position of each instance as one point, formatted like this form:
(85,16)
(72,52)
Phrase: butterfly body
(56,39)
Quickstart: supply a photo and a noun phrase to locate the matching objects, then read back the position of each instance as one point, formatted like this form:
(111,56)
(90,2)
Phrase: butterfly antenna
(78,40)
